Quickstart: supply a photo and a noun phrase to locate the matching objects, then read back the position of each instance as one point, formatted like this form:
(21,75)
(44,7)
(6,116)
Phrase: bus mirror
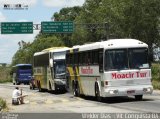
(51,62)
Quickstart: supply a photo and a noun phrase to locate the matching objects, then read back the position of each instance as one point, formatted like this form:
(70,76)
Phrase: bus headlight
(148,90)
(113,91)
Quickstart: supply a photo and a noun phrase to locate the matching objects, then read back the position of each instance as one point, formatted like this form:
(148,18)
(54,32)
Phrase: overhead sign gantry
(27,27)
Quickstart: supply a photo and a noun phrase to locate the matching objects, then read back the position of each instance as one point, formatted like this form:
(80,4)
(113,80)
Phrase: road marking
(65,100)
(33,103)
(79,98)
(49,101)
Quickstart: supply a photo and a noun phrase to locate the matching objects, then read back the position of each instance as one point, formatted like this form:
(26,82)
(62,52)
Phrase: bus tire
(39,86)
(138,97)
(73,88)
(97,93)
(76,89)
(17,83)
(31,85)
(50,88)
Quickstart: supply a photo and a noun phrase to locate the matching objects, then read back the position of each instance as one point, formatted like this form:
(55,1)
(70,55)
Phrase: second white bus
(50,68)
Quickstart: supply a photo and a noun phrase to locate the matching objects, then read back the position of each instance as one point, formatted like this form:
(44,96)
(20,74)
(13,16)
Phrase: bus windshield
(138,58)
(121,59)
(24,67)
(116,59)
(59,69)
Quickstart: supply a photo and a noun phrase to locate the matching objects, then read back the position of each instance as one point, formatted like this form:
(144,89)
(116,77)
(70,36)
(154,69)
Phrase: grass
(5,74)
(156,75)
(3,104)
(156,84)
(5,80)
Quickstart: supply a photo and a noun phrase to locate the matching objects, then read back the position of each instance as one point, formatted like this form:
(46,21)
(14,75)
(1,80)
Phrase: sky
(38,11)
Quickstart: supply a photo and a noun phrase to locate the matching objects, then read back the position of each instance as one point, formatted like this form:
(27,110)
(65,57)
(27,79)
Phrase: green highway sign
(57,27)
(16,27)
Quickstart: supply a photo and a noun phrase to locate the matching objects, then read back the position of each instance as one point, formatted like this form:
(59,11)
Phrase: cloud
(26,2)
(9,43)
(63,3)
(2,17)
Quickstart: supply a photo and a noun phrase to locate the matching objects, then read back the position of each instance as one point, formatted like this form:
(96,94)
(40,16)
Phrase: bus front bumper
(127,90)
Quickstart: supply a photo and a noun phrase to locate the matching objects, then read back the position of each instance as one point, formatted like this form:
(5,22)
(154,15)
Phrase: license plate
(129,82)
(130,91)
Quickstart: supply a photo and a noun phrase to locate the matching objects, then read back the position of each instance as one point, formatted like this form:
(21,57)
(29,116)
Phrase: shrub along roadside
(5,74)
(156,75)
(5,80)
(156,84)
(3,104)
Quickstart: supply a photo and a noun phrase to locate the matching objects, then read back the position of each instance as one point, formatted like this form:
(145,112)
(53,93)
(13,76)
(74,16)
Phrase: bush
(5,80)
(3,104)
(156,75)
(5,74)
(156,84)
(155,71)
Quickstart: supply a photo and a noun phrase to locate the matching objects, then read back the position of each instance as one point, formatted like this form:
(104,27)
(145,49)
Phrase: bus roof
(112,44)
(52,48)
(40,53)
(60,50)
(17,65)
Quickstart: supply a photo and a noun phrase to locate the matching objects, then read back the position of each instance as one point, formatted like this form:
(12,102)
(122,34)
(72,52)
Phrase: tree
(139,19)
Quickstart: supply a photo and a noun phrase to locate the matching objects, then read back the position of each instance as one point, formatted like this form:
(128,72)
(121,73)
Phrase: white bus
(116,67)
(49,69)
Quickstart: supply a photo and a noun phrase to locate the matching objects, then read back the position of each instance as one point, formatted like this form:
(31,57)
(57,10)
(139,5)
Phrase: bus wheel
(76,90)
(31,86)
(39,87)
(50,88)
(17,83)
(138,97)
(97,93)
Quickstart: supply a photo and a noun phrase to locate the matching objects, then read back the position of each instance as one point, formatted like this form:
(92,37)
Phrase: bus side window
(71,59)
(89,58)
(76,58)
(100,61)
(67,59)
(86,58)
(95,56)
(83,56)
(80,58)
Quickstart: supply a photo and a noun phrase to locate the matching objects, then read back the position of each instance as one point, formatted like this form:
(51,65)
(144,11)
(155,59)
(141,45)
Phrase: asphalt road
(67,106)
